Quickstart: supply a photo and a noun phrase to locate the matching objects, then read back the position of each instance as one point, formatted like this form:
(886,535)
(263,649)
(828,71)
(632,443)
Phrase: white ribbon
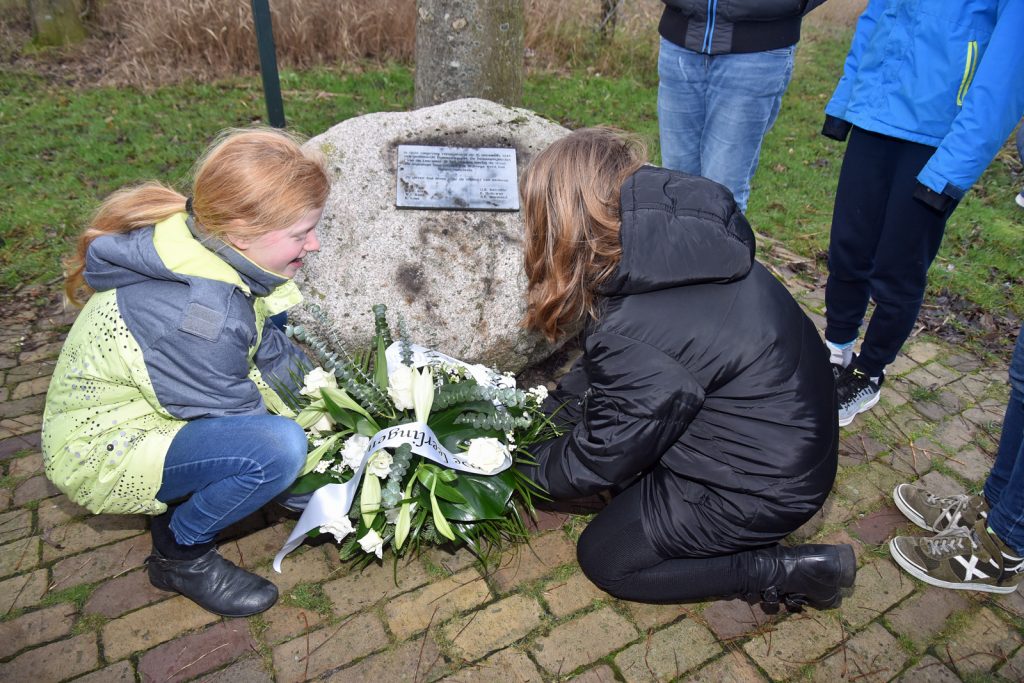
(333,501)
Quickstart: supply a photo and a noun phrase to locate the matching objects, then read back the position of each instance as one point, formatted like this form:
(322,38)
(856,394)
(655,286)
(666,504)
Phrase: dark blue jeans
(881,245)
(229,467)
(1005,485)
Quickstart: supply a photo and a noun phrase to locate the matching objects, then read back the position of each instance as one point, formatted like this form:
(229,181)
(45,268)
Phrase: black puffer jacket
(701,363)
(734,25)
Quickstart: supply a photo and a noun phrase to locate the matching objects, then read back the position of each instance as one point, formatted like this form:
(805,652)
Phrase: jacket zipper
(972,62)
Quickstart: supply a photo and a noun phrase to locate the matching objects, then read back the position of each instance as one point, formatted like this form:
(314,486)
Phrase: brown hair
(570,195)
(250,181)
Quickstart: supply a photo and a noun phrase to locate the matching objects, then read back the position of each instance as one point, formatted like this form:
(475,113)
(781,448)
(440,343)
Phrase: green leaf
(311,482)
(486,497)
(380,365)
(338,399)
(403,524)
(369,499)
(440,523)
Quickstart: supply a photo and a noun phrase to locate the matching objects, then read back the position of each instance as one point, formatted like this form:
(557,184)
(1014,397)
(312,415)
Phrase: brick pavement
(75,604)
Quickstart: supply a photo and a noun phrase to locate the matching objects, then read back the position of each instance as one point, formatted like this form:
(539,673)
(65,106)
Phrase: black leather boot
(213,583)
(200,574)
(803,575)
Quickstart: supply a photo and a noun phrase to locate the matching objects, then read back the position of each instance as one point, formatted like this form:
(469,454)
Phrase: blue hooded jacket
(943,73)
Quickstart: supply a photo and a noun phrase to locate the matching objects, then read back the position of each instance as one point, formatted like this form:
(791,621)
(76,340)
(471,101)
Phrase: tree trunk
(56,22)
(469,48)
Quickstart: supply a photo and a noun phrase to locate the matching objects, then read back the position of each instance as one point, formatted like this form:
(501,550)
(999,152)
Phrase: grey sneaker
(856,393)
(936,513)
(959,558)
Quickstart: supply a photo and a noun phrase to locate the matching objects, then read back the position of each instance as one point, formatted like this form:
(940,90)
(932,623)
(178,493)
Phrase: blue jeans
(1005,485)
(229,467)
(714,111)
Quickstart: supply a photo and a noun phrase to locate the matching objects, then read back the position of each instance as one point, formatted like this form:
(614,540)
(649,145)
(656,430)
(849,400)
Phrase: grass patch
(89,623)
(76,595)
(309,596)
(924,394)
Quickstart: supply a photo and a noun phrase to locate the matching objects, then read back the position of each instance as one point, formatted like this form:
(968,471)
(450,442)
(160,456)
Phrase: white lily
(422,393)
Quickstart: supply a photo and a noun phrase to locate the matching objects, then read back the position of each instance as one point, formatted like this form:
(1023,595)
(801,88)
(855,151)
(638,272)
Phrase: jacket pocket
(970,64)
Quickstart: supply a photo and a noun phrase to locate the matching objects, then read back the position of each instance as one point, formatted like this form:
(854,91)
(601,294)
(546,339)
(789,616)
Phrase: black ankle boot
(200,574)
(803,575)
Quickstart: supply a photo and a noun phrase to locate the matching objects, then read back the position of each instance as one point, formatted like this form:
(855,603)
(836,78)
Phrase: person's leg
(229,467)
(744,95)
(857,218)
(1004,487)
(682,87)
(910,238)
(1020,155)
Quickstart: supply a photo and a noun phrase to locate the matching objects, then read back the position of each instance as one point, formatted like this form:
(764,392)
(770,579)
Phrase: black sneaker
(856,393)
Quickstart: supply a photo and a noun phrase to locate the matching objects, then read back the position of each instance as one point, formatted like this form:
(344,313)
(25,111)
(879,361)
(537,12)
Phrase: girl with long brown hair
(161,401)
(703,396)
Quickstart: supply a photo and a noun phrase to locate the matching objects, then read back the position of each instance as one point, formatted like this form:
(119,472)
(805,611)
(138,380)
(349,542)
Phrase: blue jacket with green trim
(943,73)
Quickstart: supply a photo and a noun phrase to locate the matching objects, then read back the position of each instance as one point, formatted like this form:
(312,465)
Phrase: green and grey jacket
(177,330)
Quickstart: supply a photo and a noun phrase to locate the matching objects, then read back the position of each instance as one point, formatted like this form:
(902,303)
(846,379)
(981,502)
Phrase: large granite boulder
(456,277)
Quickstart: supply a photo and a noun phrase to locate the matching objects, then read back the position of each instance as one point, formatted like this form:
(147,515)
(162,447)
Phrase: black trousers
(882,244)
(616,555)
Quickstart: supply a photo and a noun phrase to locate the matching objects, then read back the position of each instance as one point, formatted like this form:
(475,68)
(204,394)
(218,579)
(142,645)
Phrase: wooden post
(268,62)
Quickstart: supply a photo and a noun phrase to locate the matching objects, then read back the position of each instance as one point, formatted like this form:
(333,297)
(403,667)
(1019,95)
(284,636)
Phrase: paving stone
(35,628)
(361,588)
(19,556)
(599,674)
(504,666)
(921,617)
(412,612)
(103,563)
(834,512)
(970,388)
(123,594)
(547,521)
(285,622)
(566,596)
(34,488)
(879,586)
(414,660)
(962,362)
(929,670)
(250,670)
(309,566)
(732,668)
(934,411)
(953,434)
(730,619)
(871,656)
(867,486)
(315,653)
(23,590)
(198,653)
(153,625)
(44,352)
(28,371)
(986,419)
(30,405)
(879,526)
(582,641)
(901,366)
(122,672)
(648,617)
(527,563)
(857,449)
(1013,670)
(801,639)
(26,466)
(940,484)
(449,561)
(94,532)
(912,461)
(841,536)
(250,550)
(659,657)
(985,643)
(5,499)
(54,662)
(59,510)
(35,387)
(496,626)
(19,426)
(971,464)
(895,395)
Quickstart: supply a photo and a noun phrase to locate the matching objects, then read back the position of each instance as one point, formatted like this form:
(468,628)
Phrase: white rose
(338,528)
(380,464)
(372,543)
(487,454)
(400,387)
(317,379)
(354,450)
(323,425)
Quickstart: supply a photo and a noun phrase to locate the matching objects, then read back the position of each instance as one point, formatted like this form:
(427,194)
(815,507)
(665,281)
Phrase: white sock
(840,354)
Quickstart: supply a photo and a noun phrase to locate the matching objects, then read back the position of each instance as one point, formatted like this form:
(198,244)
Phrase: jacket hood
(678,230)
(174,250)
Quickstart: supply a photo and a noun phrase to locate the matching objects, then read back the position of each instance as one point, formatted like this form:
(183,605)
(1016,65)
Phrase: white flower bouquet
(412,447)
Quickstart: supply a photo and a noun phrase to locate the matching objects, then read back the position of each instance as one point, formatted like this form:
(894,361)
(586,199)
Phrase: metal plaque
(463,178)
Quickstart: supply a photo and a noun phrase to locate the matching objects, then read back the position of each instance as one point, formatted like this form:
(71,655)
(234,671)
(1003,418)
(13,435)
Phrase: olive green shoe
(963,559)
(938,513)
